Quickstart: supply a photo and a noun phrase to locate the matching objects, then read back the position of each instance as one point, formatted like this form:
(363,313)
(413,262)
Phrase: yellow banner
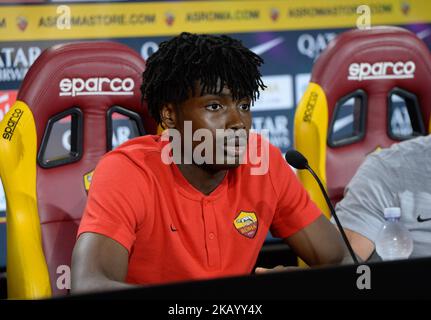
(117,20)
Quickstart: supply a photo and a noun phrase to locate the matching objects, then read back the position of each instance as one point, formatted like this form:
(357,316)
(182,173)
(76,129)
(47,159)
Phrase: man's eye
(213,107)
(245,106)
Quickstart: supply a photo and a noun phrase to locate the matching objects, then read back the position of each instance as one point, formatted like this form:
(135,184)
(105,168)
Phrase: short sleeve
(114,204)
(295,210)
(372,189)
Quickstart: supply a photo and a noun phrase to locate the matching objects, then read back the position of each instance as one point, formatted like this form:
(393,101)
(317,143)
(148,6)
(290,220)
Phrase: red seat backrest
(92,77)
(375,61)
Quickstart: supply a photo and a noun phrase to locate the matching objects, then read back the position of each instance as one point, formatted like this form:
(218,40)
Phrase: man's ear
(168,115)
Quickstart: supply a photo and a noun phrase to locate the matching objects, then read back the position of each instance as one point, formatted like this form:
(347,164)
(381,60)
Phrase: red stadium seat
(358,83)
(71,101)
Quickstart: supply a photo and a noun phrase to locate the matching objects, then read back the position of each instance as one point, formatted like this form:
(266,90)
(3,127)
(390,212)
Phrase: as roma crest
(246,223)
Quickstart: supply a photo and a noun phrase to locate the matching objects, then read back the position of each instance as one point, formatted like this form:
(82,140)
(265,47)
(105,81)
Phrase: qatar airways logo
(382,70)
(96,87)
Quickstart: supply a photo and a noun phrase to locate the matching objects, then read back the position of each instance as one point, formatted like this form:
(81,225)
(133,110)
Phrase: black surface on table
(404,279)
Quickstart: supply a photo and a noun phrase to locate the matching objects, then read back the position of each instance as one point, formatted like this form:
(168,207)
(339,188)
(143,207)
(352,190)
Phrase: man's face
(214,112)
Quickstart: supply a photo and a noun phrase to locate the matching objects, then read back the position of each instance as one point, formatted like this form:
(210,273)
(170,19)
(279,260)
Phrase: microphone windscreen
(296,159)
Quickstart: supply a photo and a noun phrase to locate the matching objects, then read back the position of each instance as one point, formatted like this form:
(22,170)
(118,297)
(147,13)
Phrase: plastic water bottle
(394,240)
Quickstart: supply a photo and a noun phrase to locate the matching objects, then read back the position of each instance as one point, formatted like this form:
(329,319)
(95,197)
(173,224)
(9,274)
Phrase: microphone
(298,161)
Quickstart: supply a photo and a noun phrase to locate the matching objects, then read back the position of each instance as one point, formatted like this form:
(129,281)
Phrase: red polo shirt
(174,232)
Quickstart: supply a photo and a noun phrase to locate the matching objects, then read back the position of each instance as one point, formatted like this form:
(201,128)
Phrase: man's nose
(235,120)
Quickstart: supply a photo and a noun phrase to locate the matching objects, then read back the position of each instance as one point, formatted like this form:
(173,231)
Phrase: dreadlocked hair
(215,61)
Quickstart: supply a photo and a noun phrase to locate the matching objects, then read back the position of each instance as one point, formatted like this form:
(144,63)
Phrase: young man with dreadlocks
(148,220)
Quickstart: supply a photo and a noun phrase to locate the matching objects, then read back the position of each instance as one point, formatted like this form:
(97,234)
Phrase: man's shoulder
(142,151)
(405,151)
(146,144)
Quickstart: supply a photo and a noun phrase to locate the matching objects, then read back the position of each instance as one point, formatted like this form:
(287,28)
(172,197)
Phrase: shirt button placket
(210,232)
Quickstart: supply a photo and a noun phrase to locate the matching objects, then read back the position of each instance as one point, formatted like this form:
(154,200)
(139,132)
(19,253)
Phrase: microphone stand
(331,208)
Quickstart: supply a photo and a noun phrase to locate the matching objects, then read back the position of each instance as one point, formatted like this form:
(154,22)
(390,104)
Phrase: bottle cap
(393,212)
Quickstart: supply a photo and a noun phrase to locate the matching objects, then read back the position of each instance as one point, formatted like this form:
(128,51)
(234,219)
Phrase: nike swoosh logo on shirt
(420,219)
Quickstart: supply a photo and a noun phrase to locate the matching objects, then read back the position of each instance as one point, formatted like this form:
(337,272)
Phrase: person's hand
(260,270)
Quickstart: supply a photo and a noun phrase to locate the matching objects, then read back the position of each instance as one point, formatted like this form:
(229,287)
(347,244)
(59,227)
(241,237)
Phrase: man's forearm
(99,284)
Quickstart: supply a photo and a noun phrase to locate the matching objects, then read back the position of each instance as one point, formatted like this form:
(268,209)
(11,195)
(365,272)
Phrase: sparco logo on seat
(11,124)
(96,87)
(382,70)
